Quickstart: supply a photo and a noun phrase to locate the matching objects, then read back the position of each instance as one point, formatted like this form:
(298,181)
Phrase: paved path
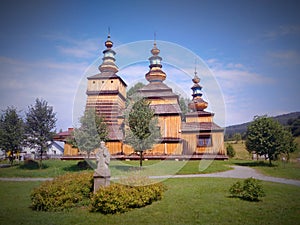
(237,172)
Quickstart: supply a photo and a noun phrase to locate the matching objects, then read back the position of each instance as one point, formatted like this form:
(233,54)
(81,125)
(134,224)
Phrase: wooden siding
(114,147)
(199,119)
(69,150)
(170,126)
(190,144)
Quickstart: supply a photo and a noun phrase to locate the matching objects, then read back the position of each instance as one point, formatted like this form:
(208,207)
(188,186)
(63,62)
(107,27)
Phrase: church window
(204,141)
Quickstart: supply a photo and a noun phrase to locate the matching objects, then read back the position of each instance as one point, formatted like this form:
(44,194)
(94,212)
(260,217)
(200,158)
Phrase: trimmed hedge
(64,192)
(120,198)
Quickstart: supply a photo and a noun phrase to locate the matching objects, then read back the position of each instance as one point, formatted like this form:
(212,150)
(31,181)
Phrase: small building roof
(200,127)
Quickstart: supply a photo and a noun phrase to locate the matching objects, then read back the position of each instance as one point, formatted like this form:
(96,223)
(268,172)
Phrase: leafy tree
(230,151)
(237,137)
(294,125)
(92,131)
(11,132)
(142,131)
(134,89)
(40,125)
(183,104)
(265,136)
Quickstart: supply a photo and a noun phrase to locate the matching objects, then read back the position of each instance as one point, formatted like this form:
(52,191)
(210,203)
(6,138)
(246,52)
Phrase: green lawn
(187,201)
(57,167)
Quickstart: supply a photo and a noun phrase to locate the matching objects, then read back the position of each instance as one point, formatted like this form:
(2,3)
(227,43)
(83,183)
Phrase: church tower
(106,93)
(165,104)
(200,134)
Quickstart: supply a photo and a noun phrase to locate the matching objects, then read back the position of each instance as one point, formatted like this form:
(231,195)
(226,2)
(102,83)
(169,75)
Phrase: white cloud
(288,57)
(283,30)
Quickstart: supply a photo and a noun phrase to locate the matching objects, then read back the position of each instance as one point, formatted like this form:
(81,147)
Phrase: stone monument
(102,173)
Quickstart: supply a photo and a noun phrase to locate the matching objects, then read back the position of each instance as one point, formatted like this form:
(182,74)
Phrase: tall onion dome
(197,104)
(108,64)
(156,74)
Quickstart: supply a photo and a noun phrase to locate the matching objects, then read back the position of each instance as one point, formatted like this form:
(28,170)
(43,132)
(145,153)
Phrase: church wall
(114,147)
(190,144)
(170,126)
(106,84)
(199,119)
(162,101)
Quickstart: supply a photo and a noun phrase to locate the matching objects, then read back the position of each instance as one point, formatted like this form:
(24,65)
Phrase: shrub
(63,192)
(83,165)
(230,151)
(119,198)
(251,190)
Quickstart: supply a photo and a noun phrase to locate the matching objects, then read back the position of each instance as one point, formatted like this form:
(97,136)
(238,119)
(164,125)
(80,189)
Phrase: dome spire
(156,74)
(197,104)
(108,64)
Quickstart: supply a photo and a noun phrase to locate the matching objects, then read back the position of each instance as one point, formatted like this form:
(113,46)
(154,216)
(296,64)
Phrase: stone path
(237,172)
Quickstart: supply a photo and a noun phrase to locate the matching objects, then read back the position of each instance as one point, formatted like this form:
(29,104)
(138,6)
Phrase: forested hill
(242,128)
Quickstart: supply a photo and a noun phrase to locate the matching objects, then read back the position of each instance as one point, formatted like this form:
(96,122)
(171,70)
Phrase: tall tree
(92,131)
(183,104)
(11,132)
(268,137)
(142,131)
(40,125)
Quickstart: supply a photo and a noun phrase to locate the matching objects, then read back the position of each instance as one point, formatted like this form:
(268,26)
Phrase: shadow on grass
(32,165)
(80,166)
(127,168)
(255,164)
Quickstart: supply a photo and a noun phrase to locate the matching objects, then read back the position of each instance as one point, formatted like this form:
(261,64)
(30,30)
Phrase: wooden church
(106,92)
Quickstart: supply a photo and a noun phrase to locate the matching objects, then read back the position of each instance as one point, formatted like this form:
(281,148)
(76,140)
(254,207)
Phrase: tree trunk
(41,159)
(141,159)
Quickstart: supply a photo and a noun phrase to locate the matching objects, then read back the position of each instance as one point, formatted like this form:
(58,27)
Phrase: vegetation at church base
(64,192)
(186,201)
(251,190)
(120,198)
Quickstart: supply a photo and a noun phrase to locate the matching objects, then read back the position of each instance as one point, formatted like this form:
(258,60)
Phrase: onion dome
(156,74)
(197,104)
(108,64)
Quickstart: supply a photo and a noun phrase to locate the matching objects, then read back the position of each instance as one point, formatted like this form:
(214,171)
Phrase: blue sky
(251,47)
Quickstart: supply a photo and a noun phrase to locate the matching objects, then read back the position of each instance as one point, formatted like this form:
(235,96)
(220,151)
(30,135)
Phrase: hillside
(241,128)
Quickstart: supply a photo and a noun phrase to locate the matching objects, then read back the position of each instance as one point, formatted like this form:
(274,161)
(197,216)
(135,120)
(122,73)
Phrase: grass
(54,168)
(187,201)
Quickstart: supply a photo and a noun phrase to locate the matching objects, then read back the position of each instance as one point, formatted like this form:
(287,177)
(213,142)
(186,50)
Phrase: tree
(142,131)
(183,104)
(40,125)
(265,136)
(230,151)
(134,89)
(294,125)
(11,132)
(92,131)
(237,137)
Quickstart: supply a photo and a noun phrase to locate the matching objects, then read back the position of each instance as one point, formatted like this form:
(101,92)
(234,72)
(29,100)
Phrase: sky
(247,53)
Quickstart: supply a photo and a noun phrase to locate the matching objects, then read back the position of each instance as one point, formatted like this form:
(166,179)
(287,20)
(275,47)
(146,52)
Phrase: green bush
(230,151)
(63,192)
(119,198)
(251,190)
(83,165)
